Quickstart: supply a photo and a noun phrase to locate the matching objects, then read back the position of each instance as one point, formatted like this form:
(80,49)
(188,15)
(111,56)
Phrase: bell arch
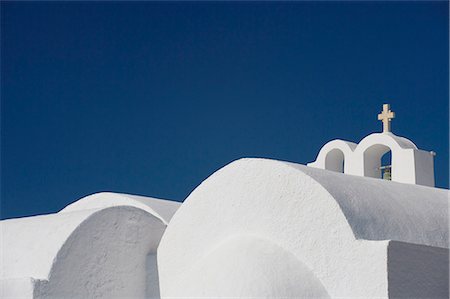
(334,156)
(370,150)
(408,163)
(334,160)
(372,159)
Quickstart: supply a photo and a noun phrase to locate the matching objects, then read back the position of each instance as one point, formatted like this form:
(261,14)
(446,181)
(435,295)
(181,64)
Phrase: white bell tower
(409,164)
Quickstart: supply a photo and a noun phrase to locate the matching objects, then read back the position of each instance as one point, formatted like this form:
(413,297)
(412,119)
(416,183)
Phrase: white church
(343,226)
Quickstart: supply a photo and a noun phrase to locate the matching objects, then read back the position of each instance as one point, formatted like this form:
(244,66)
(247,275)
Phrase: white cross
(386,116)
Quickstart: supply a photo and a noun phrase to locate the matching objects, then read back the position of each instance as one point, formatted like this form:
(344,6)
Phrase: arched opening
(334,160)
(373,157)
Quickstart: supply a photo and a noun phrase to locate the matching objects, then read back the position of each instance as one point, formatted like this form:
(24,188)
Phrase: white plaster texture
(417,271)
(256,228)
(335,228)
(104,252)
(17,288)
(160,208)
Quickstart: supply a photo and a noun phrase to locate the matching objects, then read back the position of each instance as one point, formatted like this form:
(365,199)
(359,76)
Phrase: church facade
(256,228)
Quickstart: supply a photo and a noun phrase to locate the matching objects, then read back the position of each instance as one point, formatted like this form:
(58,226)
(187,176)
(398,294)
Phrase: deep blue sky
(151,98)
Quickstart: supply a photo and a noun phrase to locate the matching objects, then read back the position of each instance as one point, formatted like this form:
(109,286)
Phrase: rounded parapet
(163,209)
(388,139)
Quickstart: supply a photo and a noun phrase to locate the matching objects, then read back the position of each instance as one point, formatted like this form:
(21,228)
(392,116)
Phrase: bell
(387,174)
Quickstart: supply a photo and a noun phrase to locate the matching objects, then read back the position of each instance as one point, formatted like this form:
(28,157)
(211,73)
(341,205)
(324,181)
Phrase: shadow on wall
(152,279)
(248,267)
(417,271)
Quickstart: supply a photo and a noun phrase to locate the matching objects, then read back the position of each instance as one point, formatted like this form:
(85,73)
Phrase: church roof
(163,209)
(34,243)
(384,210)
(333,223)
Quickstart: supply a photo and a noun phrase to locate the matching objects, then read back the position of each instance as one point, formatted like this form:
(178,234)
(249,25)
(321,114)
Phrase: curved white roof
(33,243)
(161,208)
(334,224)
(384,210)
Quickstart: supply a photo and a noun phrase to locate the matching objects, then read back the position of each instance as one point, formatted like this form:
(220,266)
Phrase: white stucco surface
(100,250)
(335,226)
(417,271)
(256,228)
(230,270)
(41,238)
(385,210)
(160,208)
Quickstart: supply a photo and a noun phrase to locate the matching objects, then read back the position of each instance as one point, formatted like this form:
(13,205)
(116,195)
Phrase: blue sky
(151,98)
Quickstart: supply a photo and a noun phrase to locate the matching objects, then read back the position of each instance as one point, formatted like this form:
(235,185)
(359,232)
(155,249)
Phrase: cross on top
(386,116)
